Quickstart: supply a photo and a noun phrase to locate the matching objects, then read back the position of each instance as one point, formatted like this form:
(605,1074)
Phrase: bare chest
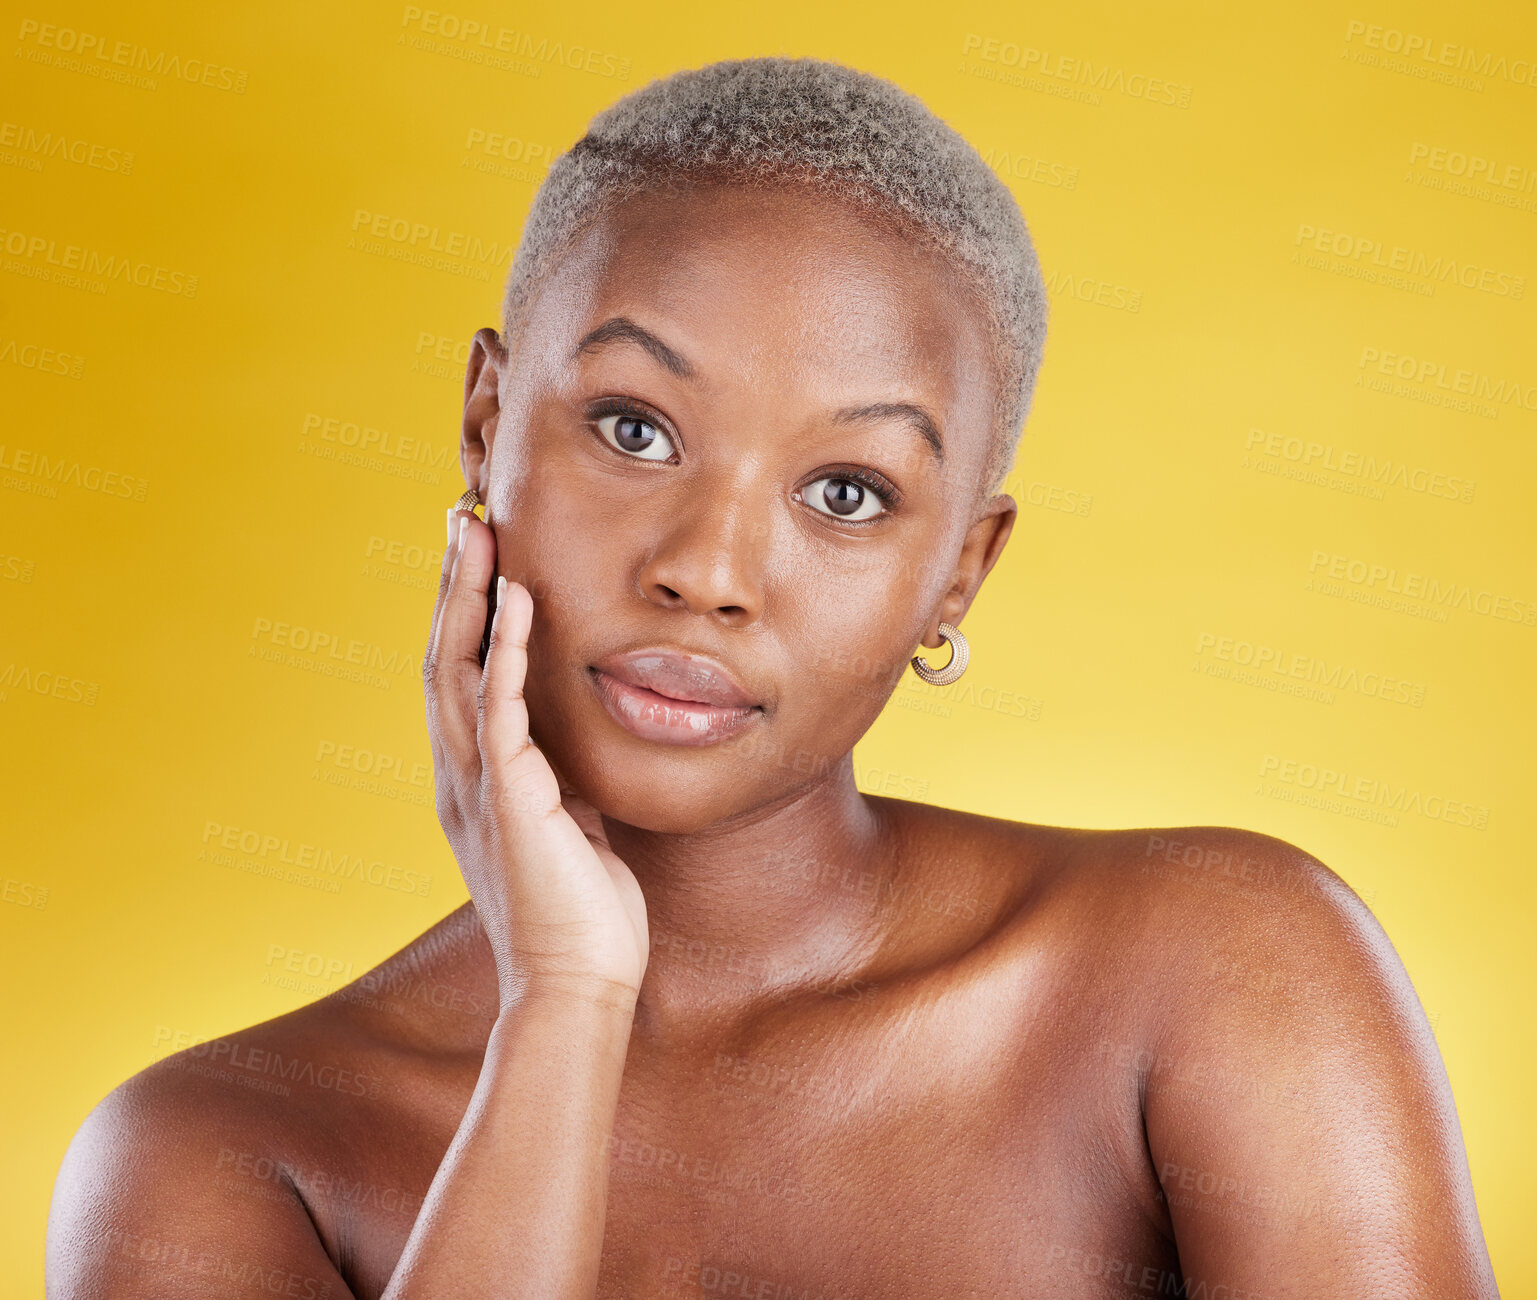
(926,1160)
(785,1176)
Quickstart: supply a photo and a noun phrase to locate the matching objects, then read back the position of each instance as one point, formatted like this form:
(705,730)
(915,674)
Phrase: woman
(716,1023)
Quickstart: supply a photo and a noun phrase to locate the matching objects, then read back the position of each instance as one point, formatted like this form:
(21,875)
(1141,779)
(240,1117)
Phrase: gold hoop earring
(960,656)
(468,500)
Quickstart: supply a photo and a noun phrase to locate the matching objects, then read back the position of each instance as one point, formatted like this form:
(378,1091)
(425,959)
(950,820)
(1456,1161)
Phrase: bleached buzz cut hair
(854,136)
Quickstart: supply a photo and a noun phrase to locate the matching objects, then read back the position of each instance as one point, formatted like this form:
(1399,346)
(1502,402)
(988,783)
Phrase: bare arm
(1299,1116)
(517,1206)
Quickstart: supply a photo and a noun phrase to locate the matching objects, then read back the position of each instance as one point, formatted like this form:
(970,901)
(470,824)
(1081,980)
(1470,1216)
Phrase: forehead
(784,287)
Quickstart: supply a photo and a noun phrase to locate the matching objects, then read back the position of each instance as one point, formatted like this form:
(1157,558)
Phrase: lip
(672,697)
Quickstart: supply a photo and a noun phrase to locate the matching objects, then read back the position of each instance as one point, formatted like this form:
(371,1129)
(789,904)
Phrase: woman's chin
(656,797)
(664,807)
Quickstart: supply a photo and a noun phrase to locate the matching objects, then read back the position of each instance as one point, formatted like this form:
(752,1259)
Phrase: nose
(709,561)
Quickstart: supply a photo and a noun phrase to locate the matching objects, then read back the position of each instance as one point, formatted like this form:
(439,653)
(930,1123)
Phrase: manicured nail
(501,592)
(449,540)
(464,527)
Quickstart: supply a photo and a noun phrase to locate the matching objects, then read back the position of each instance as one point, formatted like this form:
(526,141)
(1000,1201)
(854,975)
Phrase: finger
(455,661)
(586,816)
(582,812)
(567,790)
(430,652)
(519,769)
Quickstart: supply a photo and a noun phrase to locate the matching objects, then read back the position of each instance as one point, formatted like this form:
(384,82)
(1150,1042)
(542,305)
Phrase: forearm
(517,1206)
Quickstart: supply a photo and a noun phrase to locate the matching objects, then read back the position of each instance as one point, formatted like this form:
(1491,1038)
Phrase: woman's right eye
(635,436)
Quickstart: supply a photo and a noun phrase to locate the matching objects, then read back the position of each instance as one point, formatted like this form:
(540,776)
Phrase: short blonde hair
(854,135)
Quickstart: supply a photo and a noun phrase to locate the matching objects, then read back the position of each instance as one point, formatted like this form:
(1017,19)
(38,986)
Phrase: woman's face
(737,458)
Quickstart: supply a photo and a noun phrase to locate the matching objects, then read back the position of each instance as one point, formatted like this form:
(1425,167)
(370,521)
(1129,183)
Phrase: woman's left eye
(635,437)
(843,498)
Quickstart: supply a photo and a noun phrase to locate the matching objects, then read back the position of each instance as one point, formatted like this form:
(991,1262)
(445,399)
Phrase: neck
(784,899)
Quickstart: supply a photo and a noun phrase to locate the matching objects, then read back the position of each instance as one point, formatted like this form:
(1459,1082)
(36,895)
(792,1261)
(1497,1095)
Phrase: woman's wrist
(567,994)
(575,1027)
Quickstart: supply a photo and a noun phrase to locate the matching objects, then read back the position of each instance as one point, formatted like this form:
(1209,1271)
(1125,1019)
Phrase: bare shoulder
(1298,1116)
(1241,936)
(237,1161)
(1212,895)
(1177,909)
(1174,898)
(179,1179)
(1200,951)
(1206,934)
(1295,1120)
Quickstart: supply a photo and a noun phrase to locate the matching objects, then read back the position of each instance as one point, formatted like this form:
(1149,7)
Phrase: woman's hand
(562,912)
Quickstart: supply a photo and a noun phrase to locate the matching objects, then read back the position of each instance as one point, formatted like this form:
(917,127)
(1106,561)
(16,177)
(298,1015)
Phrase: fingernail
(449,540)
(501,592)
(464,526)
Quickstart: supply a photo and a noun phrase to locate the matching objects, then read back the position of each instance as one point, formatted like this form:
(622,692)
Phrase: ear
(482,408)
(984,543)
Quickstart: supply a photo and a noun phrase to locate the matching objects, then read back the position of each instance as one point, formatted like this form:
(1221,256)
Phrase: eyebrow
(916,417)
(622,329)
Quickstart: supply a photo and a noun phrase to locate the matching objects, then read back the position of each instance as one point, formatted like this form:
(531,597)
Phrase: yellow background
(1091,699)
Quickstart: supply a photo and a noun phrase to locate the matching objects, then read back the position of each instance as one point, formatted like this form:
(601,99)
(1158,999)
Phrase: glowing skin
(716,1022)
(781,322)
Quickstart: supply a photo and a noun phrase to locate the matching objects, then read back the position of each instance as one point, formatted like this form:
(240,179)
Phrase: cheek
(854,652)
(551,539)
(848,631)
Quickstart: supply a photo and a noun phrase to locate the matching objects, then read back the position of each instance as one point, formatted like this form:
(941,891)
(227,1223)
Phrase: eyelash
(879,484)
(628,406)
